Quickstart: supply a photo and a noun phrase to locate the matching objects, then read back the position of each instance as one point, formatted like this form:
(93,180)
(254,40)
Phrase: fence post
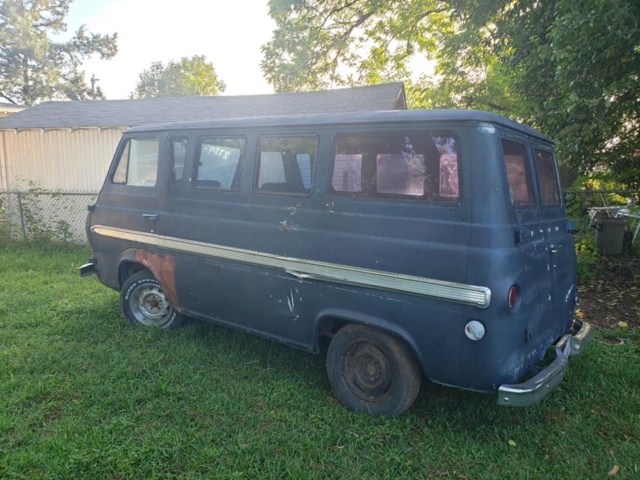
(22,226)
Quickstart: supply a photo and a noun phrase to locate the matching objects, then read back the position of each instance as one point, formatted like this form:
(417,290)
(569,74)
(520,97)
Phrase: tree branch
(337,10)
(2,95)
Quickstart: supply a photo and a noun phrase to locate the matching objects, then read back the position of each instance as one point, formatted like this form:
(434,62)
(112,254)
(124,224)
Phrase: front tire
(372,371)
(143,302)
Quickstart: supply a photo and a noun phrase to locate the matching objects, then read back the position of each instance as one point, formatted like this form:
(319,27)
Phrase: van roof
(321,119)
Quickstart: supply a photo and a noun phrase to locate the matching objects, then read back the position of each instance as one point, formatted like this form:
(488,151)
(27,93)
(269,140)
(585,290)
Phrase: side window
(138,163)
(517,164)
(412,165)
(286,165)
(548,178)
(218,163)
(178,155)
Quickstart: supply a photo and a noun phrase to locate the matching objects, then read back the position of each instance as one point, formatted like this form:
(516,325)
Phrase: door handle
(152,217)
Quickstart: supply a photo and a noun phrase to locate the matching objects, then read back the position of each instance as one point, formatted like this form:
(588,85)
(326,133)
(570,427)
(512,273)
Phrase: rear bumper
(536,388)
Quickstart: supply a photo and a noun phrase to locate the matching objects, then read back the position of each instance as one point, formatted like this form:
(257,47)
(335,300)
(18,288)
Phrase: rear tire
(372,371)
(143,302)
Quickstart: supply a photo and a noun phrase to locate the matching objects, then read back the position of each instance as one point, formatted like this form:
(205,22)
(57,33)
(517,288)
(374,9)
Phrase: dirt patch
(610,298)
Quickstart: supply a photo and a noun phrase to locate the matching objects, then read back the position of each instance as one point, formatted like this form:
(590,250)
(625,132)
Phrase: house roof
(126,113)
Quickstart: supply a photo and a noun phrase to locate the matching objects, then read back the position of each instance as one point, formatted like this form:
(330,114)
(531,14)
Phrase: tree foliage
(190,77)
(568,67)
(34,66)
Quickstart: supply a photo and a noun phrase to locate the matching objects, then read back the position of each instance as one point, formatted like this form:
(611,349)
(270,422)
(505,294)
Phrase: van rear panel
(527,249)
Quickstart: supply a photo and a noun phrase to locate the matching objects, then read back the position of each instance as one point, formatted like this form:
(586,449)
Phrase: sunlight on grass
(84,395)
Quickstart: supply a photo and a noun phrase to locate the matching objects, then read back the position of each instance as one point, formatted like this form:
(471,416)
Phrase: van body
(411,243)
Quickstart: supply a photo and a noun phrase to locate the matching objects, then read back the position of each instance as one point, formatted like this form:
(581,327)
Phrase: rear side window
(548,178)
(137,164)
(218,163)
(286,165)
(517,164)
(412,165)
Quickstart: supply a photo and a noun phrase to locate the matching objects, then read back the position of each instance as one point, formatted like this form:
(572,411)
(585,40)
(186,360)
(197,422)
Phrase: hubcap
(149,305)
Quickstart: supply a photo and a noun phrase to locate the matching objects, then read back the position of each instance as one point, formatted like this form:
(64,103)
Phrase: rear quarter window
(416,165)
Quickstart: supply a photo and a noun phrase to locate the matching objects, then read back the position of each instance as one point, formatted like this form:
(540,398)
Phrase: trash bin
(610,235)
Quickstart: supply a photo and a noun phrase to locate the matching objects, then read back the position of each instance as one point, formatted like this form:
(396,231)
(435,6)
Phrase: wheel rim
(149,305)
(367,372)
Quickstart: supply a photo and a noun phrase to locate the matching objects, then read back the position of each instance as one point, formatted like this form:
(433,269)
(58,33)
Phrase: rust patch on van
(163,268)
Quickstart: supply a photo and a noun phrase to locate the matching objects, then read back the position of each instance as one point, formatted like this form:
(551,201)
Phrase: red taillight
(514,296)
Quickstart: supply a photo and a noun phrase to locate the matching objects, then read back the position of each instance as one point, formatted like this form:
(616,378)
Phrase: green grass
(84,395)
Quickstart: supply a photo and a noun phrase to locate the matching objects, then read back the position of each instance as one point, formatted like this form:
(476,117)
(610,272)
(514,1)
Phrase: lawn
(84,395)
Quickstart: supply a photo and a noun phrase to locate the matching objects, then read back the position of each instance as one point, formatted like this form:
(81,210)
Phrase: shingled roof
(127,113)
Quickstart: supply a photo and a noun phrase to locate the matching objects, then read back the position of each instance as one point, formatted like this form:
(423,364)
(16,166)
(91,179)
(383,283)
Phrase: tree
(579,63)
(568,67)
(33,66)
(190,77)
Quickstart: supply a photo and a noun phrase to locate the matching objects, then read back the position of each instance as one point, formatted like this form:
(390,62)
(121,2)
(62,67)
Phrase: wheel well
(128,268)
(329,326)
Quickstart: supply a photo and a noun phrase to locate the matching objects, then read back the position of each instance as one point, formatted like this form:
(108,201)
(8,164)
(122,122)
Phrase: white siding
(65,160)
(3,169)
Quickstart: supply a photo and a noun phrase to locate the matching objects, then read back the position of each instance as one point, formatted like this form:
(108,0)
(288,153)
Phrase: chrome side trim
(308,269)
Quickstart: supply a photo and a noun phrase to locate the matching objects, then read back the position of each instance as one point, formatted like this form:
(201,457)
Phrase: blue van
(404,244)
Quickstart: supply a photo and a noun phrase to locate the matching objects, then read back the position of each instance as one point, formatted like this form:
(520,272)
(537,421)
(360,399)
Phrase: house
(66,147)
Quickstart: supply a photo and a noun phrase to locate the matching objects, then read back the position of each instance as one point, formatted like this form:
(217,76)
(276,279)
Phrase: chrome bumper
(87,269)
(536,388)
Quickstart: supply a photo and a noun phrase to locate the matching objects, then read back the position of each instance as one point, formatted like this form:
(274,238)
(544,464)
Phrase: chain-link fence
(44,216)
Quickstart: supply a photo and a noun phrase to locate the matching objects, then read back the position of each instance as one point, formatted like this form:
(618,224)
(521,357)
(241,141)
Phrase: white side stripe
(309,269)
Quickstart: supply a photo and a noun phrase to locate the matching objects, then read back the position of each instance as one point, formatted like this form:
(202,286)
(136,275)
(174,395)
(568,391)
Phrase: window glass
(400,174)
(138,163)
(286,164)
(548,178)
(120,175)
(516,161)
(178,153)
(449,180)
(218,161)
(400,165)
(347,173)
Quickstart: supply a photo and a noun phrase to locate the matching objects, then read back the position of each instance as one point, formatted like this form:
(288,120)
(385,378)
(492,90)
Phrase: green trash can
(610,235)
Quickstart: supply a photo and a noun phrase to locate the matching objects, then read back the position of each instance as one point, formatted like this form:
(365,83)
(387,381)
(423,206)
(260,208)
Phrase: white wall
(65,160)
(3,168)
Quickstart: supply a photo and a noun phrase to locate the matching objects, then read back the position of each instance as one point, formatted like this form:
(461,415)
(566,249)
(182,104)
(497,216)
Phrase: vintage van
(409,243)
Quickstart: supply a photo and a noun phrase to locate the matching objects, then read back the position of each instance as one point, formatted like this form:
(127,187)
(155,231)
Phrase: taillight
(513,297)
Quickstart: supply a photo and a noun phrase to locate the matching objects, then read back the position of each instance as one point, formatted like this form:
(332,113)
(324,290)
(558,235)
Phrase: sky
(229,33)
